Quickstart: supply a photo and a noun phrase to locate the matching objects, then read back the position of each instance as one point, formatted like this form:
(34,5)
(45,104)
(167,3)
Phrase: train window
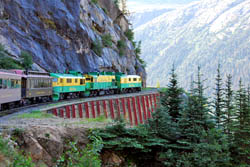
(82,81)
(76,80)
(55,80)
(87,79)
(5,84)
(61,80)
(134,79)
(129,79)
(1,82)
(69,80)
(13,83)
(91,79)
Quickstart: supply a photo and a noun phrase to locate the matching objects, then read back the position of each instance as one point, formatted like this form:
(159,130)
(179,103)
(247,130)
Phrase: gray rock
(59,34)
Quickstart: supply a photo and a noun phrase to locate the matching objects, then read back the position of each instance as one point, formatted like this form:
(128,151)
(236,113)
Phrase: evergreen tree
(229,107)
(242,128)
(172,99)
(219,100)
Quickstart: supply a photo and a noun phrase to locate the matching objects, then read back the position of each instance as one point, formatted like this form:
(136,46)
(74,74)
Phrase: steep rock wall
(60,35)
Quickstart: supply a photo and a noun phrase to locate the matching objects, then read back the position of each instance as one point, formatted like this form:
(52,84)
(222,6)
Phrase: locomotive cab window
(82,82)
(55,80)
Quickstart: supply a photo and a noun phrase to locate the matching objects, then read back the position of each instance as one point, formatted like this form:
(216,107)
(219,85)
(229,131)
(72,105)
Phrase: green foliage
(105,11)
(181,133)
(97,47)
(129,34)
(2,49)
(107,40)
(94,1)
(241,131)
(121,46)
(116,2)
(16,159)
(219,100)
(172,99)
(87,157)
(9,63)
(26,60)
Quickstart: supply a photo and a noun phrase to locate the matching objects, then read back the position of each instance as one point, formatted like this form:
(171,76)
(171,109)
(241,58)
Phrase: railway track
(5,115)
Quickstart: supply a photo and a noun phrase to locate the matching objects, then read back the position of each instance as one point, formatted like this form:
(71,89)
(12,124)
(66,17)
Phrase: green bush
(26,60)
(129,34)
(87,157)
(94,1)
(16,159)
(105,11)
(107,40)
(97,47)
(2,49)
(9,63)
(121,46)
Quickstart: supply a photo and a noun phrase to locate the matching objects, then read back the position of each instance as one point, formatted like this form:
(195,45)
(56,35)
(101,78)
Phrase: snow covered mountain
(201,33)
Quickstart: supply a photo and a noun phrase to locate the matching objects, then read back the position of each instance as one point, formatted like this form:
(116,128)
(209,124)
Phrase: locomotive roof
(130,76)
(58,75)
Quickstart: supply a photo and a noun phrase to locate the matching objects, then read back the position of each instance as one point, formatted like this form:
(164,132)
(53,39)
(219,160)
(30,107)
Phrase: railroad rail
(72,106)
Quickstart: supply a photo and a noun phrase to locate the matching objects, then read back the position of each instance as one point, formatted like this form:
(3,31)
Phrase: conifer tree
(172,100)
(199,137)
(242,128)
(219,100)
(229,107)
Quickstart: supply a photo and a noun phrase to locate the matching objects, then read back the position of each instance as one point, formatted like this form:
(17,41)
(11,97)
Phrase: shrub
(94,1)
(121,46)
(2,48)
(87,157)
(107,40)
(9,63)
(16,159)
(97,47)
(129,34)
(26,60)
(105,11)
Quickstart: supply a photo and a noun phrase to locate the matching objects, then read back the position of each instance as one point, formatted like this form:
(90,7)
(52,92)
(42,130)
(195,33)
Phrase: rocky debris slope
(202,33)
(46,145)
(62,35)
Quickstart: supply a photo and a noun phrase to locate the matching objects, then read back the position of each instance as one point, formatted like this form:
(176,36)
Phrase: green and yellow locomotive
(70,84)
(74,84)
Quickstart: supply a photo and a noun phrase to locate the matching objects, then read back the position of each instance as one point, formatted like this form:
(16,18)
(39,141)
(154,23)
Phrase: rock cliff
(63,35)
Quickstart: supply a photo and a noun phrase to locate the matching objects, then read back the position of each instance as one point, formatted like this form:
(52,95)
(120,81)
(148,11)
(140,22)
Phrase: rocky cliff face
(61,35)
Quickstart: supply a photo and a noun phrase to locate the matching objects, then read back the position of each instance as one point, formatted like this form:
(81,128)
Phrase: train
(21,87)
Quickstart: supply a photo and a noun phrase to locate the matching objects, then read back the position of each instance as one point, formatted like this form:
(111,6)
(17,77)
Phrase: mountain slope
(202,33)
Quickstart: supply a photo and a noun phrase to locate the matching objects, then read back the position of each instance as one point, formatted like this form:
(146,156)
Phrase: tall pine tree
(219,100)
(172,99)
(242,128)
(229,107)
